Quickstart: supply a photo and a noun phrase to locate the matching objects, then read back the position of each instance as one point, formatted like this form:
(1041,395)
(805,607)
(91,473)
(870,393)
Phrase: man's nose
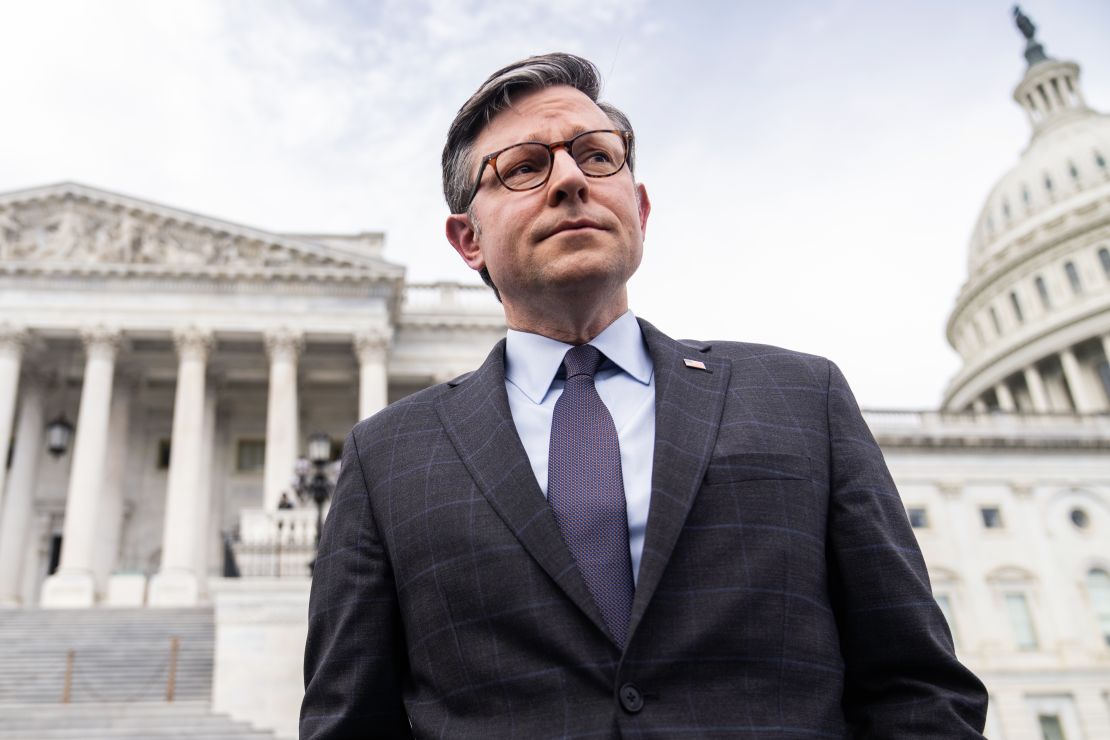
(567,179)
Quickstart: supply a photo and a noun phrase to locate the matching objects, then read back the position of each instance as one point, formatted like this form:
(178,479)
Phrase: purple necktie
(586,491)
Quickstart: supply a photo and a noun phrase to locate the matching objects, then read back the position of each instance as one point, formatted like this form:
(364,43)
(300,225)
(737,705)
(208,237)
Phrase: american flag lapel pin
(695,364)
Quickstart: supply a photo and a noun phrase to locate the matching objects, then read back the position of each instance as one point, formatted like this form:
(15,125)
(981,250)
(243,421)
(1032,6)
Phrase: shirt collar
(532,360)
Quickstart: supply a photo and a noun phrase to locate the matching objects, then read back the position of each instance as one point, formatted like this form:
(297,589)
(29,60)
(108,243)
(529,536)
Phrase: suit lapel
(476,416)
(688,406)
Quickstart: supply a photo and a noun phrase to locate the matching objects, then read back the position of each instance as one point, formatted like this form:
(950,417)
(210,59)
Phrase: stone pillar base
(69,591)
(127,590)
(174,589)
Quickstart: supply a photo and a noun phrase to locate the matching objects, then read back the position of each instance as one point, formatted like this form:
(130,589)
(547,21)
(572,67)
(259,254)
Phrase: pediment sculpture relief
(77,232)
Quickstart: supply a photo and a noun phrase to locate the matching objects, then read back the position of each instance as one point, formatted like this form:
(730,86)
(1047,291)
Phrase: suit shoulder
(762,353)
(407,411)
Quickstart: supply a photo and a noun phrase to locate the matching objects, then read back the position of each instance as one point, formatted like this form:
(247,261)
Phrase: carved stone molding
(193,343)
(283,344)
(950,489)
(372,345)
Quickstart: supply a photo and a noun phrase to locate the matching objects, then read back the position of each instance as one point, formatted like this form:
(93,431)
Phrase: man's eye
(598,155)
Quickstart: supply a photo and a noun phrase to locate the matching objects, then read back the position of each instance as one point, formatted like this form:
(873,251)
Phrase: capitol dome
(1032,321)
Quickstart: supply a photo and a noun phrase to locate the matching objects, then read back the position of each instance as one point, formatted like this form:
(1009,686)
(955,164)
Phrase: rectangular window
(1051,728)
(995,321)
(1021,621)
(250,456)
(919,517)
(992,517)
(945,605)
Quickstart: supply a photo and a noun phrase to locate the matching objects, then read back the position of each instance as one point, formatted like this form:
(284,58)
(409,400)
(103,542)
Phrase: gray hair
(495,95)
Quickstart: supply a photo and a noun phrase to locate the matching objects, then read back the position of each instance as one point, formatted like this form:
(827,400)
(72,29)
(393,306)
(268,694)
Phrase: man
(603,532)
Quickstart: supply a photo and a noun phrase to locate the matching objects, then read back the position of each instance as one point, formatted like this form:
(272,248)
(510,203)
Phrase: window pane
(1098,586)
(1051,729)
(251,455)
(1042,291)
(992,517)
(945,605)
(919,518)
(1104,258)
(1021,622)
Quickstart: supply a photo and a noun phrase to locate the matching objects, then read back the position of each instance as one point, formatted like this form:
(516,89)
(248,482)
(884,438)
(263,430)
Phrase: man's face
(575,234)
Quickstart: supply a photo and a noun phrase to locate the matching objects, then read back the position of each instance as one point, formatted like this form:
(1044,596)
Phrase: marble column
(15,517)
(110,511)
(204,500)
(13,341)
(72,585)
(282,415)
(1005,397)
(175,584)
(372,350)
(1037,392)
(1080,396)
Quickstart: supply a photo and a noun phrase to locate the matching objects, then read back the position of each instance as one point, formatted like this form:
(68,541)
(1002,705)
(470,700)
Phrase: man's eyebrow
(534,136)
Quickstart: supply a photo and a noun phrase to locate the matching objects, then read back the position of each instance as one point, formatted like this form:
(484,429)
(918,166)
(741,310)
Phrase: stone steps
(121,661)
(192,720)
(118,654)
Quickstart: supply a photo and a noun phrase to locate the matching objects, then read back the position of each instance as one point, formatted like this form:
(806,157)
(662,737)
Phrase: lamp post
(317,487)
(58,434)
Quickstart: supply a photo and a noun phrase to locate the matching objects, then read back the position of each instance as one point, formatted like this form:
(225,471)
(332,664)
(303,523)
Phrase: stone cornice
(967,432)
(135,234)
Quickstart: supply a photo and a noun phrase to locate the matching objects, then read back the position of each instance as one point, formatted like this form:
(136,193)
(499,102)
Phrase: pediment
(74,226)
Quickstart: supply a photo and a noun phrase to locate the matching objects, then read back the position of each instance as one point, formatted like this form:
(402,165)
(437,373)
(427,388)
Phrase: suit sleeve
(902,678)
(354,655)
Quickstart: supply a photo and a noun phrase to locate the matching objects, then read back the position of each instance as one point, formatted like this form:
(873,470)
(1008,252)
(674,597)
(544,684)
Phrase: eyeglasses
(528,165)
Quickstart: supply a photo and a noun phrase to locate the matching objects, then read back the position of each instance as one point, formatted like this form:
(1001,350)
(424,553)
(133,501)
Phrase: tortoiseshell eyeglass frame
(568,144)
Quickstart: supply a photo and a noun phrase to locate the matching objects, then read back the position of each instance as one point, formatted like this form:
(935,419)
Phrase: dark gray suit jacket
(781,592)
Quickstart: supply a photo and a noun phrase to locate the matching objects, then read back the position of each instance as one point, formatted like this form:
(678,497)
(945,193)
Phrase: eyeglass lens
(525,166)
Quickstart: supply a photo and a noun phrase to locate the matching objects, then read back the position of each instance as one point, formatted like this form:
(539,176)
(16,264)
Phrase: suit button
(631,698)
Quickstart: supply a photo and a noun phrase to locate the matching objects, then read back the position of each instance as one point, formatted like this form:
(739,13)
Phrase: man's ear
(464,238)
(643,203)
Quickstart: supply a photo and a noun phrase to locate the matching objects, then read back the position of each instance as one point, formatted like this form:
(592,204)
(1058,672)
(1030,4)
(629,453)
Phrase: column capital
(101,340)
(13,338)
(372,344)
(193,343)
(283,343)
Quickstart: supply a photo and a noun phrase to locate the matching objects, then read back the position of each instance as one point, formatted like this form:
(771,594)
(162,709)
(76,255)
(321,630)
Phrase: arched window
(1042,291)
(1073,277)
(1098,586)
(1104,258)
(1017,307)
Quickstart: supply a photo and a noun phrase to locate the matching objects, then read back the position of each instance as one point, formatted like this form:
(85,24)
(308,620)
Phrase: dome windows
(994,320)
(1048,183)
(1017,307)
(1104,259)
(1042,291)
(1073,277)
(1073,171)
(1025,195)
(1100,160)
(1006,210)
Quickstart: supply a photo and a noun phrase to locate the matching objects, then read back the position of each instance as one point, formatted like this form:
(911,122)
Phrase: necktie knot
(582,360)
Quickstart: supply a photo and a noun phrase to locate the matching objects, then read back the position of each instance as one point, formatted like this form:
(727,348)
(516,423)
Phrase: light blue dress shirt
(626,384)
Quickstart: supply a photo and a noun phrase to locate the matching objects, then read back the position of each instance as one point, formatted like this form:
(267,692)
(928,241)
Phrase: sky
(815,168)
